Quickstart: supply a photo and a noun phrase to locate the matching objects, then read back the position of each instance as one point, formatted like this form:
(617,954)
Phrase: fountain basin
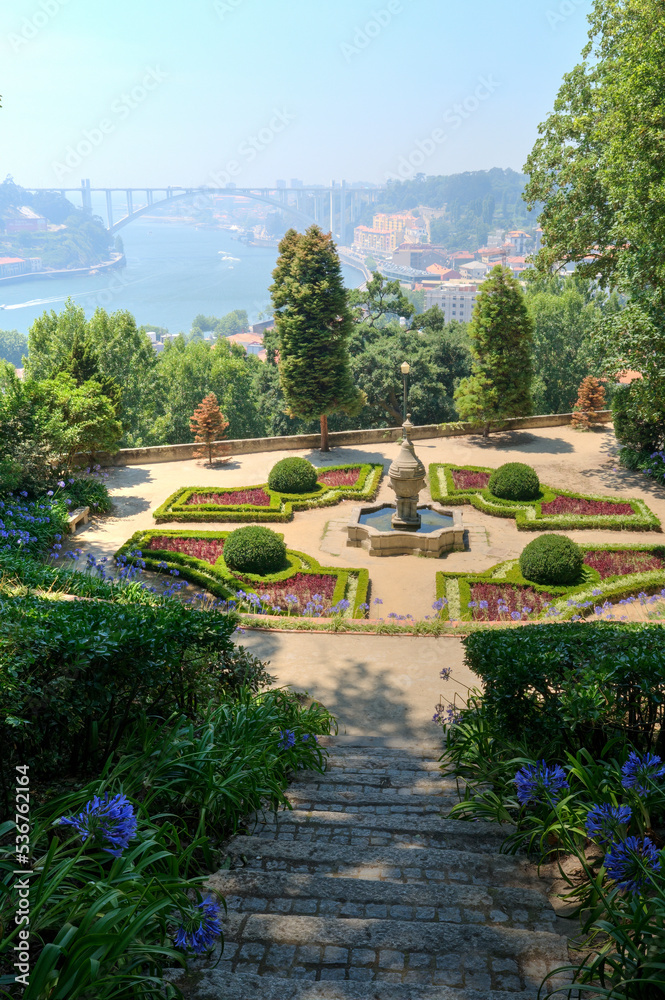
(370,527)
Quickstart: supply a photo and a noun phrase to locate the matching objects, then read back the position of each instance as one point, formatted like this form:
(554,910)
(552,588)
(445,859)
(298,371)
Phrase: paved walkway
(365,891)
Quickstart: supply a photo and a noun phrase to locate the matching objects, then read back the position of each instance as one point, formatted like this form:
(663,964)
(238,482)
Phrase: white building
(456,301)
(475,270)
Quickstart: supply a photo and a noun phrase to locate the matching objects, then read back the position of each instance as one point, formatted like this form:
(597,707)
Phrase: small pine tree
(501,332)
(590,399)
(207,423)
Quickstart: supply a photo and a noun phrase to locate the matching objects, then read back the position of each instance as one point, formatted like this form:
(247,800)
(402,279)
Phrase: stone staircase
(365,891)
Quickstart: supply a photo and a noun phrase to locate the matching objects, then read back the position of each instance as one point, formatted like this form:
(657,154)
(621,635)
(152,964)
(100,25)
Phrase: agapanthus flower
(602,821)
(199,932)
(640,773)
(109,819)
(540,783)
(445,673)
(61,484)
(310,736)
(287,739)
(629,862)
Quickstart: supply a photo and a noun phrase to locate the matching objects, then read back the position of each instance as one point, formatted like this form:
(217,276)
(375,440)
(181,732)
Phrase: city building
(365,238)
(474,270)
(265,324)
(517,265)
(455,300)
(252,342)
(443,273)
(460,257)
(394,221)
(518,240)
(420,255)
(493,255)
(11,266)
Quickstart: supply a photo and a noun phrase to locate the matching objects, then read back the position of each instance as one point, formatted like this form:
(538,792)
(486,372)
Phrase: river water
(173,272)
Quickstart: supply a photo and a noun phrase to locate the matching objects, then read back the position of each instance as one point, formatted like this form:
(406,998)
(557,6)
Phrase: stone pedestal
(407,478)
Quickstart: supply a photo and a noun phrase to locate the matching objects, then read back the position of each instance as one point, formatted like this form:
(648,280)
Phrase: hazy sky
(186,92)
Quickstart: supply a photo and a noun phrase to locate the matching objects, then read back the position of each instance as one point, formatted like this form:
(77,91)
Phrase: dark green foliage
(88,491)
(293,475)
(553,559)
(75,674)
(573,684)
(13,345)
(515,481)
(254,549)
(633,431)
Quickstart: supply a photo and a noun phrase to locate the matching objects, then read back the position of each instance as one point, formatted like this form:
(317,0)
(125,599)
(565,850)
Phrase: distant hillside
(475,202)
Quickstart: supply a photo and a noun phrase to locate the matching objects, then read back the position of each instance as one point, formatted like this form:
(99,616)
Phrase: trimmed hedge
(530,673)
(456,587)
(282,505)
(293,475)
(528,514)
(552,559)
(221,582)
(254,549)
(514,481)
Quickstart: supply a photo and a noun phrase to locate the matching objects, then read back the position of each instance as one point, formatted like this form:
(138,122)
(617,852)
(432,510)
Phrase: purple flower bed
(575,505)
(293,594)
(339,477)
(257,498)
(621,563)
(496,601)
(207,549)
(466,479)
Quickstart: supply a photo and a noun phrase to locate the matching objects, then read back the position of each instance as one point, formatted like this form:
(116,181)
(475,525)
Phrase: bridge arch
(304,217)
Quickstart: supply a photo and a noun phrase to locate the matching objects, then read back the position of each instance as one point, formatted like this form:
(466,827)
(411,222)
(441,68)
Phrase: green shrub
(89,492)
(552,559)
(514,481)
(574,684)
(254,549)
(293,475)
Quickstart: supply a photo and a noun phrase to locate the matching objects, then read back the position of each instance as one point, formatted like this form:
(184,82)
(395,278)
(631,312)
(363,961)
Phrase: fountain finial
(407,478)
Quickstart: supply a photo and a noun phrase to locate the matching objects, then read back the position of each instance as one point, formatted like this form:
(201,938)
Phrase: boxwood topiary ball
(514,481)
(552,559)
(254,549)
(293,475)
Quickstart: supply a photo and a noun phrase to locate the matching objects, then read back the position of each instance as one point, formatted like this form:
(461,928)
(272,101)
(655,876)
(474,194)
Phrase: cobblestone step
(397,951)
(354,758)
(412,782)
(392,864)
(220,984)
(275,892)
(360,830)
(369,800)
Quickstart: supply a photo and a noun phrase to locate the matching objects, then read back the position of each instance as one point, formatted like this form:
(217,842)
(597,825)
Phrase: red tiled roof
(12,260)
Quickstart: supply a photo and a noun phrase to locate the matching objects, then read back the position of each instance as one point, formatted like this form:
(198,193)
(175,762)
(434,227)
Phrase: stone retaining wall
(300,442)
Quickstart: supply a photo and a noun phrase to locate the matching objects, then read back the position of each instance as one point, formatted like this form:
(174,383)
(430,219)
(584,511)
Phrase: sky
(193,92)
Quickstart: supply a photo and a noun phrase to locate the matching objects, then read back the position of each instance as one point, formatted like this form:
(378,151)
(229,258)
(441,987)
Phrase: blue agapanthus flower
(287,739)
(629,863)
(540,783)
(602,822)
(310,736)
(640,773)
(108,819)
(199,932)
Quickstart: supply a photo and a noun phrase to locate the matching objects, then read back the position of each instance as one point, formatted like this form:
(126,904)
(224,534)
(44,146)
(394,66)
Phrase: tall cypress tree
(314,324)
(501,333)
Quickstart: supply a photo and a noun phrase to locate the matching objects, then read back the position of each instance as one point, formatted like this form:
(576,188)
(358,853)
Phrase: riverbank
(118,260)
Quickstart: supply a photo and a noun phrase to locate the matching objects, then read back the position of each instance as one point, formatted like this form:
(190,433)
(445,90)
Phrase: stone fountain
(406,526)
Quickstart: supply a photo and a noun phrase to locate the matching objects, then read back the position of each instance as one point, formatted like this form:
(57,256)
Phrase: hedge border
(616,587)
(643,519)
(282,505)
(222,583)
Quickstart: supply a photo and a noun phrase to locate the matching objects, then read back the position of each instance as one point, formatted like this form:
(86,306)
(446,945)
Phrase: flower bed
(260,503)
(553,509)
(255,498)
(305,588)
(501,593)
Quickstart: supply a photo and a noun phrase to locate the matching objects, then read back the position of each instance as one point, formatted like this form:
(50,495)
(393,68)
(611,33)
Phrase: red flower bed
(257,498)
(574,505)
(303,586)
(512,597)
(208,549)
(466,479)
(621,563)
(339,477)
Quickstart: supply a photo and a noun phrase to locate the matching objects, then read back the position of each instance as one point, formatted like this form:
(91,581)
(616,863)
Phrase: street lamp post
(405,368)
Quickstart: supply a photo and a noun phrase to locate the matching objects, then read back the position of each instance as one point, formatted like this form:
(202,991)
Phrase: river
(173,272)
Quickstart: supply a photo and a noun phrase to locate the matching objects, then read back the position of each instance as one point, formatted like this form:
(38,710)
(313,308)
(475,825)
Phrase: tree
(207,423)
(590,399)
(500,334)
(380,301)
(314,324)
(13,345)
(75,419)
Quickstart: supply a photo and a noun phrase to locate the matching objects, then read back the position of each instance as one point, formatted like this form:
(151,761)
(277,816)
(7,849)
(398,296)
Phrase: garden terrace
(553,509)
(261,503)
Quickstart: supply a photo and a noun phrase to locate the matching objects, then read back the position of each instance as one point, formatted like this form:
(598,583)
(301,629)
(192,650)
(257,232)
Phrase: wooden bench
(78,516)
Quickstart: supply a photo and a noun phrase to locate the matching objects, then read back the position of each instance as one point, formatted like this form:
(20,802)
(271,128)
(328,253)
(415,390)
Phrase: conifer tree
(590,399)
(207,423)
(501,333)
(314,324)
